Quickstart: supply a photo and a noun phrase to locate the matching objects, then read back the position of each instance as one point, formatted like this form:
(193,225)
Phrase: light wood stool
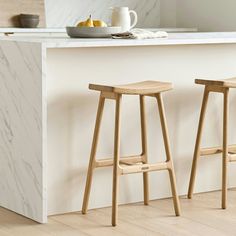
(130,164)
(228,151)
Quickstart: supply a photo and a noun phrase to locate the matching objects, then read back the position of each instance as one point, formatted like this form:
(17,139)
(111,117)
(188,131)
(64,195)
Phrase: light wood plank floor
(200,216)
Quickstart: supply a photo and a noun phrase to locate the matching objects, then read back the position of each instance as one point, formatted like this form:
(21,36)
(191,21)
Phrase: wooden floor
(200,216)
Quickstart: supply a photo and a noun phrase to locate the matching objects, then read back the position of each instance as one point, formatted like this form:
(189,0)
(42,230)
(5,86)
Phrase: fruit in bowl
(99,23)
(92,23)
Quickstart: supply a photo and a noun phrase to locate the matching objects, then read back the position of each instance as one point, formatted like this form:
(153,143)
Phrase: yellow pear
(99,23)
(81,24)
(89,22)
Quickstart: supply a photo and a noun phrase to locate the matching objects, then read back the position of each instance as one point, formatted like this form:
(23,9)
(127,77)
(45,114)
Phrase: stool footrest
(232,157)
(129,160)
(140,168)
(216,150)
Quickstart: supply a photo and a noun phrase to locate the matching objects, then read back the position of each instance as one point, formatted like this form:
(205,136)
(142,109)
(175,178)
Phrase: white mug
(121,17)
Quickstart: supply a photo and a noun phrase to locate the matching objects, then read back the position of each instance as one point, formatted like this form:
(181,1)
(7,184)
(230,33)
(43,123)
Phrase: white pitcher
(121,17)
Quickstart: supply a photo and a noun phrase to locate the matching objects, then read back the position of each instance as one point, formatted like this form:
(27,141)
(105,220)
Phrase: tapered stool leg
(116,162)
(198,142)
(93,155)
(225,149)
(144,149)
(168,154)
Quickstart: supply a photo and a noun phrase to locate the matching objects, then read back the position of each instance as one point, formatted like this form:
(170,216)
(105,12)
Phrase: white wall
(168,13)
(206,15)
(60,13)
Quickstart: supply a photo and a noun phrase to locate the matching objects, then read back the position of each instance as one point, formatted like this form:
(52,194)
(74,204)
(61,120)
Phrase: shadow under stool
(228,151)
(130,164)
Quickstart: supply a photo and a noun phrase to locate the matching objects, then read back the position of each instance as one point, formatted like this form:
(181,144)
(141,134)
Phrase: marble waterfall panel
(61,13)
(22,182)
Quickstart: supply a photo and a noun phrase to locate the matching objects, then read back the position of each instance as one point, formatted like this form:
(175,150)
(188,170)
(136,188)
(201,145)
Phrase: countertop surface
(173,39)
(63,30)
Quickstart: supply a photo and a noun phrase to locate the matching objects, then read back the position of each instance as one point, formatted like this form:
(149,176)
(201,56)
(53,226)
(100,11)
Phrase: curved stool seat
(140,88)
(226,83)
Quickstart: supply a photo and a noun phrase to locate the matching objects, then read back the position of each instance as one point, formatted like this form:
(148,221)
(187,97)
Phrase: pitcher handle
(135,18)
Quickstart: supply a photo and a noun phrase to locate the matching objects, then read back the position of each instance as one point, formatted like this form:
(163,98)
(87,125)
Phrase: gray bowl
(92,32)
(29,20)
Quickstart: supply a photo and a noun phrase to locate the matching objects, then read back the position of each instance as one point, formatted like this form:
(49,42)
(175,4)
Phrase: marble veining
(21,143)
(63,13)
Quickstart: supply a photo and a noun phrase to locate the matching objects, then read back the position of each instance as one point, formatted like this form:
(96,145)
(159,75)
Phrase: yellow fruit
(81,24)
(89,22)
(99,23)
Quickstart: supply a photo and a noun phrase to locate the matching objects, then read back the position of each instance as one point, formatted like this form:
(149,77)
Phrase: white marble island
(47,115)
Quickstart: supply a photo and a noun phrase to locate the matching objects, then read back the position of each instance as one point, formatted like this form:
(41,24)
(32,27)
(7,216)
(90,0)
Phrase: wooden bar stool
(130,164)
(228,151)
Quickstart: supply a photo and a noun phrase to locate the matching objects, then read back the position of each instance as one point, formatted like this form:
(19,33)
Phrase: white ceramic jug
(121,17)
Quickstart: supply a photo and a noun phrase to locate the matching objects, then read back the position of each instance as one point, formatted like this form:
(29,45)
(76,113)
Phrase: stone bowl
(29,20)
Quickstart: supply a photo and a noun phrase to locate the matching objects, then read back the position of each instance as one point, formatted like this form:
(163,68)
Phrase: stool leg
(225,149)
(198,142)
(93,155)
(116,162)
(144,149)
(168,155)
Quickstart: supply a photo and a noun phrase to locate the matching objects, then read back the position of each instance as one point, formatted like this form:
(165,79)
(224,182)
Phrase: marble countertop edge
(63,30)
(173,39)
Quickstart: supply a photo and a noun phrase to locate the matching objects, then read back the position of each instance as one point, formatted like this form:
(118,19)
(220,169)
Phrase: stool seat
(140,88)
(226,83)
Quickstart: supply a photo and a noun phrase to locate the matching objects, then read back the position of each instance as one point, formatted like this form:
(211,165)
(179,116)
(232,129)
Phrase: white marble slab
(22,167)
(62,13)
(63,30)
(173,39)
